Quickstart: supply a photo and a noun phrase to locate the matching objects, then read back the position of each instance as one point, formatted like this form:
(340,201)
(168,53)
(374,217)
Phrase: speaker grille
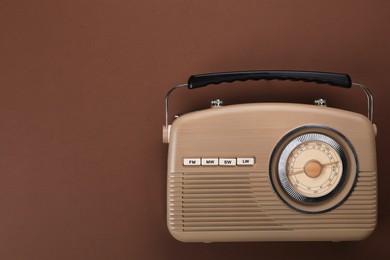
(203,202)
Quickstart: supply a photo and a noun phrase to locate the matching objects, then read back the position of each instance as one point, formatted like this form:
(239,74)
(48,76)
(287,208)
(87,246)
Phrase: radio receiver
(271,171)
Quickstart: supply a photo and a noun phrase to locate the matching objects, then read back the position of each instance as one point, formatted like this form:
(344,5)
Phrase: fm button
(191,162)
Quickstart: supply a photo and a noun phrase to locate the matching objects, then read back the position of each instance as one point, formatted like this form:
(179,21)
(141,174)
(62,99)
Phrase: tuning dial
(313,169)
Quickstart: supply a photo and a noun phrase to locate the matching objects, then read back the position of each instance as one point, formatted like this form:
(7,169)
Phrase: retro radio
(271,171)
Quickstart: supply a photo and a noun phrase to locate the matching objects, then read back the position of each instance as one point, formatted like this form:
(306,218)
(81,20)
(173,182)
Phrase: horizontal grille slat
(305,222)
(254,205)
(363,200)
(231,228)
(251,211)
(211,191)
(180,195)
(251,194)
(219,185)
(268,227)
(254,215)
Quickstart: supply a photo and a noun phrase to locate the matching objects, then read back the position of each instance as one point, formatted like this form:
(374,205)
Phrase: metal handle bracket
(370,100)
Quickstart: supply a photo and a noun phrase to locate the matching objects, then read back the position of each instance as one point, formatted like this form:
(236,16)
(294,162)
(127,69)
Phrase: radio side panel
(222,203)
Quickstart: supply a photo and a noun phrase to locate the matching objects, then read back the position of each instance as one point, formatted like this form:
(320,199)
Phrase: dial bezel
(316,205)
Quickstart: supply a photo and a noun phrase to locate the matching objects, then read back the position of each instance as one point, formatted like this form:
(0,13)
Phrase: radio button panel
(236,161)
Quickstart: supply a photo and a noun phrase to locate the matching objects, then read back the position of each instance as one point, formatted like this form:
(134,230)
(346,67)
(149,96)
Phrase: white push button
(227,161)
(245,161)
(191,161)
(209,161)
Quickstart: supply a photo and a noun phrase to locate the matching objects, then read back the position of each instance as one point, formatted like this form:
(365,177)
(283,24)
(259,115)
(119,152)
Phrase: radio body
(271,171)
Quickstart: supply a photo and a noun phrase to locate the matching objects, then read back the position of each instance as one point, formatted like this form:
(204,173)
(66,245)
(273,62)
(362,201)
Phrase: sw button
(227,162)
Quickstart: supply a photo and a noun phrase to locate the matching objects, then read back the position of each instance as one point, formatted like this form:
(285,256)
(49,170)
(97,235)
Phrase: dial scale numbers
(313,169)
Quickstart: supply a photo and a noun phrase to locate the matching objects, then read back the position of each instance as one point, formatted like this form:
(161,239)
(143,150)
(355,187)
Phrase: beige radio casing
(217,203)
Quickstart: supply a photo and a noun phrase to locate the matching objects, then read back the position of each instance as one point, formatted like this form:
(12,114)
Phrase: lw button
(245,161)
(191,161)
(227,162)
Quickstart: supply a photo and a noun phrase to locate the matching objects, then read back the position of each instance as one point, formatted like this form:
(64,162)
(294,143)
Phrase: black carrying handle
(334,79)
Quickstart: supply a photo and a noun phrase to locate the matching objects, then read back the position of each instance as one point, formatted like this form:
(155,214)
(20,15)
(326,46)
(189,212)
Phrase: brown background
(82,165)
